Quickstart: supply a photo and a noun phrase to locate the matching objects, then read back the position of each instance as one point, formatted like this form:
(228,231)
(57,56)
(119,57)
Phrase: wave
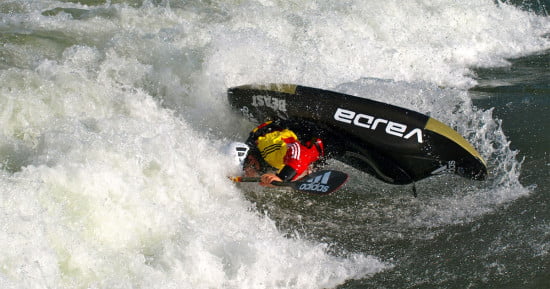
(112,114)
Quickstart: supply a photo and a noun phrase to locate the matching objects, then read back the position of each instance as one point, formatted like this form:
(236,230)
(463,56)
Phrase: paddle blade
(320,183)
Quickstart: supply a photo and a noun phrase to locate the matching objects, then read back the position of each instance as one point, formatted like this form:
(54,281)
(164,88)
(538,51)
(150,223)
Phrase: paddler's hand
(266,180)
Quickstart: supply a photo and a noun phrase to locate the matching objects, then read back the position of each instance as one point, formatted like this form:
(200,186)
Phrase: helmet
(238,151)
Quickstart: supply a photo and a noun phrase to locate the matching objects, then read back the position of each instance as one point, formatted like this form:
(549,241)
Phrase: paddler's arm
(285,175)
(266,179)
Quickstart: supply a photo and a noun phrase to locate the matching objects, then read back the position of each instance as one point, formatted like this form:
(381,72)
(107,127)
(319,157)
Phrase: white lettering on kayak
(373,123)
(277,104)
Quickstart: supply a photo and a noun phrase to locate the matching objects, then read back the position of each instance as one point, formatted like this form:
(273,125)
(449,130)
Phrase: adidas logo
(449,168)
(318,184)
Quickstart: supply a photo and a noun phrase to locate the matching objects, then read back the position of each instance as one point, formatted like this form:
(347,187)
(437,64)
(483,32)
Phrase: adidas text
(314,187)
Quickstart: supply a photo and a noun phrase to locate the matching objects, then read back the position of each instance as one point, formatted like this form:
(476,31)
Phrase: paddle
(317,183)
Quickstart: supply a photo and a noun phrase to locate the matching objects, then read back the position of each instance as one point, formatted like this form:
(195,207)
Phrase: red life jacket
(300,157)
(281,149)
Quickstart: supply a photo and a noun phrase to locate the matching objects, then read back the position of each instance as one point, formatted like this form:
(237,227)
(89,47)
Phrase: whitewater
(114,118)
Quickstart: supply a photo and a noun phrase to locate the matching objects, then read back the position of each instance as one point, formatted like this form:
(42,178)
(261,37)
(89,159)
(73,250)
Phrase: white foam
(327,44)
(116,191)
(110,125)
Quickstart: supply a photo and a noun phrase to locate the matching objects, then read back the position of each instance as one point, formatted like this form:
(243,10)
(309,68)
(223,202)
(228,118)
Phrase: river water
(113,118)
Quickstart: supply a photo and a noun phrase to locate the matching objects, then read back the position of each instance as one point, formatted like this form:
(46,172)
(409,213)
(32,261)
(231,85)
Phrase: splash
(111,114)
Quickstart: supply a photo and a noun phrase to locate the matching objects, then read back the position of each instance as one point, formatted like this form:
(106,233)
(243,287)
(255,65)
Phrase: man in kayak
(273,146)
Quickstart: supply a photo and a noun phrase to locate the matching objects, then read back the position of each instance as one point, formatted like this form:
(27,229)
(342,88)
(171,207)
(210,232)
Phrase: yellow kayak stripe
(279,87)
(444,130)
